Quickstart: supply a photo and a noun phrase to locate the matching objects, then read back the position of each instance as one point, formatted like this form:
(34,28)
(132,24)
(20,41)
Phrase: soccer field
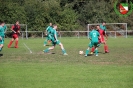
(21,69)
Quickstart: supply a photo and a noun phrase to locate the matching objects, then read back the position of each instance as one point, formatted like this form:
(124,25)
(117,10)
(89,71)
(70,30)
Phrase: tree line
(69,15)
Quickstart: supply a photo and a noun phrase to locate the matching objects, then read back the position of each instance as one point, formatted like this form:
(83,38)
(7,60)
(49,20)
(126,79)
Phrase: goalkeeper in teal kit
(48,31)
(55,41)
(94,35)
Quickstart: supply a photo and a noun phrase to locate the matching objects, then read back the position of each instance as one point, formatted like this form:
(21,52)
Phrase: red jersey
(101,32)
(16,28)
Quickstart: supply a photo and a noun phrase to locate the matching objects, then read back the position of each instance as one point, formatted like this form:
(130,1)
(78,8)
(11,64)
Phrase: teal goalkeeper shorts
(92,44)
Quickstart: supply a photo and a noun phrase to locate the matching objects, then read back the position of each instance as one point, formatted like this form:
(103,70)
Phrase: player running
(55,41)
(15,34)
(101,39)
(2,35)
(103,27)
(93,35)
(48,30)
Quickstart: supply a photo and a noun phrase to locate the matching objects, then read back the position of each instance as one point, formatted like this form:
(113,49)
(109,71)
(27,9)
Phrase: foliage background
(68,14)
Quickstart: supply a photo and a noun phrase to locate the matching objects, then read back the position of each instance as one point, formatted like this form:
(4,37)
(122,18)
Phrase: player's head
(1,23)
(98,27)
(17,22)
(50,24)
(103,23)
(55,26)
(92,27)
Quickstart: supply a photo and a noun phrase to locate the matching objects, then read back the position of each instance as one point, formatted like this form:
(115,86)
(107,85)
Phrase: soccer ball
(81,52)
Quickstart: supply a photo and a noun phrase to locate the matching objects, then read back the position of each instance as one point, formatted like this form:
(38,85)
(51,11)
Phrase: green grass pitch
(20,69)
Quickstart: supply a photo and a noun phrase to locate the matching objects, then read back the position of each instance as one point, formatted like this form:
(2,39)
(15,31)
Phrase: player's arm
(5,29)
(12,29)
(55,36)
(18,31)
(90,34)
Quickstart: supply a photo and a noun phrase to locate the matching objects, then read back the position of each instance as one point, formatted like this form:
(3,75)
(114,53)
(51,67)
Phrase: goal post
(23,29)
(113,29)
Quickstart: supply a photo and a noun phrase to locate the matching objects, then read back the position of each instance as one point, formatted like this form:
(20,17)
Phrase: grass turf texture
(20,69)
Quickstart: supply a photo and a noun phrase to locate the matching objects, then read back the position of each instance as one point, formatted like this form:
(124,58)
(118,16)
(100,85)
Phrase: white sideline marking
(27,47)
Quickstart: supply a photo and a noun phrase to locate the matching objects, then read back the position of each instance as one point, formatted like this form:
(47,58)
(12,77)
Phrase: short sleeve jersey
(48,29)
(16,28)
(101,32)
(1,31)
(103,27)
(54,32)
(94,36)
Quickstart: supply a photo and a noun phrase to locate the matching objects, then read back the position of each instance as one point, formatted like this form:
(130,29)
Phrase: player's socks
(106,49)
(45,42)
(46,50)
(0,49)
(10,44)
(63,51)
(93,49)
(96,52)
(86,52)
(16,44)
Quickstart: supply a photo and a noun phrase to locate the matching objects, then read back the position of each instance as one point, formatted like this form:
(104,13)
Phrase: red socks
(93,49)
(10,44)
(16,44)
(106,48)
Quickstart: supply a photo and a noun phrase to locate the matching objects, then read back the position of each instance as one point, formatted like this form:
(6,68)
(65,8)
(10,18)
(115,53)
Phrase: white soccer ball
(81,52)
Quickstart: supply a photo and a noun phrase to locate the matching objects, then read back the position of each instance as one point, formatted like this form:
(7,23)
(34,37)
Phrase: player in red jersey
(101,39)
(15,34)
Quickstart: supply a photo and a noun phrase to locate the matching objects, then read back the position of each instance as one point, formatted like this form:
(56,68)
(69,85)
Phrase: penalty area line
(27,47)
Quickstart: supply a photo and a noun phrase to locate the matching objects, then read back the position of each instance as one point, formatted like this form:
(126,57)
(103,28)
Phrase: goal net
(113,29)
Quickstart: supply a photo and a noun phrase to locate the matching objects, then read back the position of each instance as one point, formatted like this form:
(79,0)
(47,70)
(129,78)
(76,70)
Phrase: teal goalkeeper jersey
(103,27)
(2,33)
(94,35)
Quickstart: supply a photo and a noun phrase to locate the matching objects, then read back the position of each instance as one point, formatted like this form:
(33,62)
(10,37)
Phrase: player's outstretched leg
(45,42)
(86,52)
(16,43)
(106,48)
(96,51)
(62,48)
(10,43)
(1,46)
(92,50)
(48,49)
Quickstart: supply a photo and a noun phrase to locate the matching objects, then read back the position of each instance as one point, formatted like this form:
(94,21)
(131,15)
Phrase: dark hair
(54,25)
(98,25)
(1,22)
(104,22)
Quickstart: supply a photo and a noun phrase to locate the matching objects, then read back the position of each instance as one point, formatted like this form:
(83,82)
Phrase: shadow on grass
(48,45)
(1,54)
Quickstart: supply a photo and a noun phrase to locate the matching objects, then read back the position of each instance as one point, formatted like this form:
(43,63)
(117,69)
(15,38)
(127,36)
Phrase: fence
(76,34)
